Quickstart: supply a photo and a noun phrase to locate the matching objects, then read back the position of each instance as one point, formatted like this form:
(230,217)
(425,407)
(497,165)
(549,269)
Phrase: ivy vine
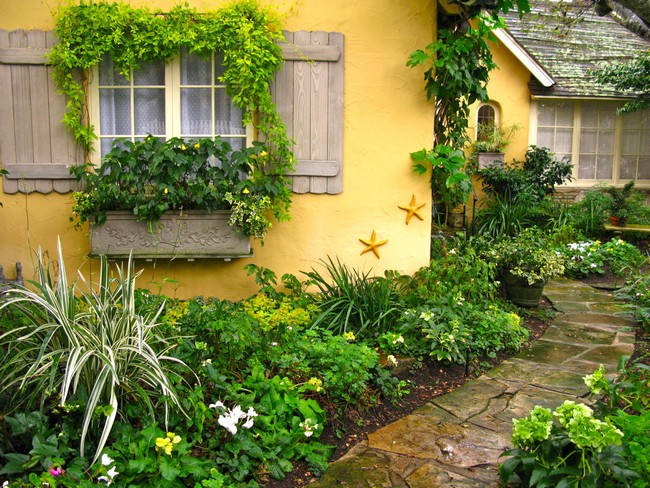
(244,32)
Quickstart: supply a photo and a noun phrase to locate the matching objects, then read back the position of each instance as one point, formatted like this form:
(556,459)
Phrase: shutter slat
(301,112)
(23,55)
(314,115)
(44,171)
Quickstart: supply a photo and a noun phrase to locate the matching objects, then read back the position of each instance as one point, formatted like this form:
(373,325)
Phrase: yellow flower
(245,191)
(264,154)
(183,147)
(166,191)
(317,383)
(349,336)
(197,145)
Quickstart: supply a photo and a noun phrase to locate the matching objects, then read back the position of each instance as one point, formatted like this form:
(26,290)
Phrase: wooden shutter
(308,93)
(35,146)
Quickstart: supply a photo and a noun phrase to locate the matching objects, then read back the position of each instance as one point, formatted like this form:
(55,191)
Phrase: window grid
(161,114)
(605,146)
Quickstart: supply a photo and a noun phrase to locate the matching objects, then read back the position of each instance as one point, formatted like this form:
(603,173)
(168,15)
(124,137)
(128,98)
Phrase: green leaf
(168,470)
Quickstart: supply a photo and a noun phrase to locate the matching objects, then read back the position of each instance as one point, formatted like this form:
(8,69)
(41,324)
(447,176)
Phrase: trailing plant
(152,176)
(244,32)
(94,350)
(527,255)
(632,77)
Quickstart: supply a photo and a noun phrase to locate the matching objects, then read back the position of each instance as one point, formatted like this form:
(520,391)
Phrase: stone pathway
(456,440)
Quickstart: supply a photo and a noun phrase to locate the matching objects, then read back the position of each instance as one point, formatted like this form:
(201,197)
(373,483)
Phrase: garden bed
(429,381)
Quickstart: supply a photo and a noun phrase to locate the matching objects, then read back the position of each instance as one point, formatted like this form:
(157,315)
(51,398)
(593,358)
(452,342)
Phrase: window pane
(627,167)
(150,74)
(236,142)
(219,68)
(195,70)
(546,114)
(108,75)
(564,142)
(606,142)
(604,166)
(565,114)
(588,139)
(545,137)
(149,111)
(115,111)
(229,117)
(196,111)
(587,167)
(644,167)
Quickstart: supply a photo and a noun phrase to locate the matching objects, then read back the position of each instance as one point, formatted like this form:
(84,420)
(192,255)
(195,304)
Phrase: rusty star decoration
(412,210)
(373,244)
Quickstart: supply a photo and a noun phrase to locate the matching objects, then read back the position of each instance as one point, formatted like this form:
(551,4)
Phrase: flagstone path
(456,440)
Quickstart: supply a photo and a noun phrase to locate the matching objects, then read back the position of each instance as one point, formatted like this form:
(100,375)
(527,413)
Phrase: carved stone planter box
(188,235)
(486,160)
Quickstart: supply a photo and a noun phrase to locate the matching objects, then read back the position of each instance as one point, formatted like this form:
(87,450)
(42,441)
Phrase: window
(183,98)
(602,145)
(487,115)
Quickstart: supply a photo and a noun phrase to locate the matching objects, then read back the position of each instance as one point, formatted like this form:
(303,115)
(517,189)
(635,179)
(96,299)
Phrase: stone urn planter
(522,293)
(193,234)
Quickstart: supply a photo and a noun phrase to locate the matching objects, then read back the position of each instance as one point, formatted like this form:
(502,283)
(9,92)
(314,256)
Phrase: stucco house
(545,86)
(350,103)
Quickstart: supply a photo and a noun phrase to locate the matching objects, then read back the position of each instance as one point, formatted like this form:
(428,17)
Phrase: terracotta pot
(615,220)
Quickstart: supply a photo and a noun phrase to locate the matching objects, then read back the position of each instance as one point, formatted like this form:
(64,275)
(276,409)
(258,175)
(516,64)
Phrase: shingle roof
(567,53)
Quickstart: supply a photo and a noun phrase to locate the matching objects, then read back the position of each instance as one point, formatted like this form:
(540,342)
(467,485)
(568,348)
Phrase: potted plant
(192,198)
(491,143)
(450,185)
(621,204)
(526,262)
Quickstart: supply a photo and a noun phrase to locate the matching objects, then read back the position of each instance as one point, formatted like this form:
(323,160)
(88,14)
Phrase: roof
(567,51)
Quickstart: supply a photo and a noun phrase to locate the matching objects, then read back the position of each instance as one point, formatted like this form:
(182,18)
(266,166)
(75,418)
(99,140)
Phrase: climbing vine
(246,33)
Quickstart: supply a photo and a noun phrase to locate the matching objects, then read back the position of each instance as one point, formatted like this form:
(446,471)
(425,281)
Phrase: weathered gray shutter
(35,146)
(308,93)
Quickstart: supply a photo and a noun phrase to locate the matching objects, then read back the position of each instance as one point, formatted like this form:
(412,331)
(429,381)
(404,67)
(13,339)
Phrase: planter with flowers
(179,198)
(527,262)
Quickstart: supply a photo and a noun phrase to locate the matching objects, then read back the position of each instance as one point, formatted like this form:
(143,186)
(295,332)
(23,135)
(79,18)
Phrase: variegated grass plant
(85,342)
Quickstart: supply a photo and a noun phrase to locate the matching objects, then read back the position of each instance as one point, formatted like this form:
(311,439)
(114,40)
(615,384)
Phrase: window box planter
(192,234)
(487,159)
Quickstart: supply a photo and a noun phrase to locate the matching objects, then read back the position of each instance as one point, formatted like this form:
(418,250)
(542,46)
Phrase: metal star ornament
(412,210)
(373,244)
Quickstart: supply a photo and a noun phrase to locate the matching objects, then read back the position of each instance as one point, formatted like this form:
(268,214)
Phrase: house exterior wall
(508,90)
(386,116)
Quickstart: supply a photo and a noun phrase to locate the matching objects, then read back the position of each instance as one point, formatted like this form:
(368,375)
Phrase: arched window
(487,114)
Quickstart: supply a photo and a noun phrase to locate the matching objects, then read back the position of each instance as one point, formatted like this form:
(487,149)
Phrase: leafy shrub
(605,447)
(592,257)
(353,301)
(536,177)
(459,331)
(637,290)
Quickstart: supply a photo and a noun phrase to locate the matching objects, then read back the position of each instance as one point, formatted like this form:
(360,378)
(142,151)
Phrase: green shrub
(350,300)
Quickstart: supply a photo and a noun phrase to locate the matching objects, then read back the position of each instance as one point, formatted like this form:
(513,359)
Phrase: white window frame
(575,151)
(172,108)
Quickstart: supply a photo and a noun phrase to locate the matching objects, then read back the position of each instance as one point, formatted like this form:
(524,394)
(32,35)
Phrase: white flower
(107,480)
(112,473)
(106,460)
(228,423)
(217,404)
(391,359)
(5,484)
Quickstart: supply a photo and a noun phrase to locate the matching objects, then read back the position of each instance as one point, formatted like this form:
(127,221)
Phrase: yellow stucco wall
(386,117)
(508,90)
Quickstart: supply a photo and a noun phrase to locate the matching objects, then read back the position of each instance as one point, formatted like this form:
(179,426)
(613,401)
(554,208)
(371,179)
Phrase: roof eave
(524,57)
